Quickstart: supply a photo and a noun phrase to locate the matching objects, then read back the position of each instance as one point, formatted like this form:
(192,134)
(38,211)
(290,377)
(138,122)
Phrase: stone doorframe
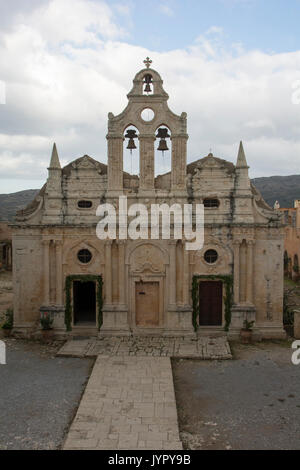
(146,277)
(152,268)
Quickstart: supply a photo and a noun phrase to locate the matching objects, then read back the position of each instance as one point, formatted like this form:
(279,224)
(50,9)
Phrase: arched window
(163,150)
(148,88)
(131,151)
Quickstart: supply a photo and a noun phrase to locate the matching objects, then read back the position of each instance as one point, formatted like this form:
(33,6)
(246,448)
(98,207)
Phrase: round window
(211,256)
(84,256)
(147,114)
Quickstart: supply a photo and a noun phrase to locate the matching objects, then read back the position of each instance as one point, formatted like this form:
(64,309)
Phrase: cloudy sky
(232,65)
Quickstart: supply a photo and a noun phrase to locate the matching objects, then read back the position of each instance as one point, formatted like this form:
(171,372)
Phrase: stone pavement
(129,403)
(202,347)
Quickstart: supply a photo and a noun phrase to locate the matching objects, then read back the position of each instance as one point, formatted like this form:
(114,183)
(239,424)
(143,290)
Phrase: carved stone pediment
(147,257)
(148,268)
(86,163)
(211,162)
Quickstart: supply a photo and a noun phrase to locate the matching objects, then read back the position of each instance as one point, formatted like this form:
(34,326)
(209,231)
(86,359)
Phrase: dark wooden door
(210,303)
(147,303)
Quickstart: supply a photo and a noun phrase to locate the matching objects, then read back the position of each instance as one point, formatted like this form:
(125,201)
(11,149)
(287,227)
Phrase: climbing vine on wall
(68,289)
(228,282)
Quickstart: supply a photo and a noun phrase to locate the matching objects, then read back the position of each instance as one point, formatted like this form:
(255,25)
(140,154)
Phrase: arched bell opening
(148,86)
(131,150)
(163,150)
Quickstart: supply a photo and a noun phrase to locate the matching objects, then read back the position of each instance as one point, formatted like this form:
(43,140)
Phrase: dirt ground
(250,402)
(39,395)
(6,293)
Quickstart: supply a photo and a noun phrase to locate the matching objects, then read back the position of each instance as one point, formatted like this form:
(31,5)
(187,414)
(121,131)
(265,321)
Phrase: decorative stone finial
(148,62)
(54,163)
(241,160)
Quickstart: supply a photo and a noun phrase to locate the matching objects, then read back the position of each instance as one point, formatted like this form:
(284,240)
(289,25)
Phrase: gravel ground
(250,402)
(39,395)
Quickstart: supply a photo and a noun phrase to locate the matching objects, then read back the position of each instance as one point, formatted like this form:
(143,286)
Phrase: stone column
(172,272)
(249,295)
(236,276)
(58,265)
(178,172)
(108,272)
(121,245)
(46,271)
(186,276)
(146,162)
(115,163)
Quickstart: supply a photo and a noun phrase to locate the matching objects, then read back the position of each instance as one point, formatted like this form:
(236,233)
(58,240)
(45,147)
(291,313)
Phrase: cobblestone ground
(129,403)
(202,348)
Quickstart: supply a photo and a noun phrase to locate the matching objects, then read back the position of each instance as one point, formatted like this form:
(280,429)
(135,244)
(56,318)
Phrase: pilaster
(46,245)
(178,171)
(146,163)
(115,164)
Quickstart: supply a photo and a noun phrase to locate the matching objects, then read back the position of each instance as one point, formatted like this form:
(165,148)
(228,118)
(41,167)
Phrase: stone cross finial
(147,62)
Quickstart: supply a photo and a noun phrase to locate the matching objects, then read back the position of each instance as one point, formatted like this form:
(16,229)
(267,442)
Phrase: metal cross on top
(147,62)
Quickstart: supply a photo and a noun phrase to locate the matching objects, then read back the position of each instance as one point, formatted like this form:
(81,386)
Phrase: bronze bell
(148,81)
(162,145)
(131,135)
(162,134)
(131,145)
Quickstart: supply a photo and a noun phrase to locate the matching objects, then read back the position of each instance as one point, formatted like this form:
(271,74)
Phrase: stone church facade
(153,287)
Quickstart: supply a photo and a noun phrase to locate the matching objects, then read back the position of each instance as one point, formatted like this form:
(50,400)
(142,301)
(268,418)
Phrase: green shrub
(46,321)
(288,314)
(9,319)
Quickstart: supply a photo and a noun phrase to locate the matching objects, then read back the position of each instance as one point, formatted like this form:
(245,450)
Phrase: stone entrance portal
(147,304)
(210,303)
(84,302)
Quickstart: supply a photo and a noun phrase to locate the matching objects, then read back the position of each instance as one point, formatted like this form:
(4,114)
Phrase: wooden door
(210,303)
(147,303)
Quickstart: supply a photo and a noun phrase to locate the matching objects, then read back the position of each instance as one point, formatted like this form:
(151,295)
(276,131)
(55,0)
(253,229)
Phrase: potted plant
(9,322)
(246,332)
(46,324)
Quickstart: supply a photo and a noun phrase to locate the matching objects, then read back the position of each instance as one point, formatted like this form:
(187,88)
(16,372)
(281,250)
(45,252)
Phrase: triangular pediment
(85,162)
(210,162)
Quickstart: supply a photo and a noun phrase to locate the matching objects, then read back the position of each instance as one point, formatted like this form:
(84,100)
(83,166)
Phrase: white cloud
(64,73)
(77,21)
(214,30)
(166,9)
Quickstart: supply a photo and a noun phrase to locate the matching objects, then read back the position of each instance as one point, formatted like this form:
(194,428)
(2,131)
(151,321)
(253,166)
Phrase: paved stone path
(129,403)
(202,347)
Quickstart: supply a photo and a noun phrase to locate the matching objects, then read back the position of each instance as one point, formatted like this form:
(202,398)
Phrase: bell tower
(147,110)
